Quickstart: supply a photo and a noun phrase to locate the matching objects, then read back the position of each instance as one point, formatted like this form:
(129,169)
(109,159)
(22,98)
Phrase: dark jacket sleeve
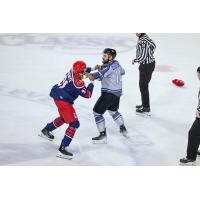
(86,92)
(198,107)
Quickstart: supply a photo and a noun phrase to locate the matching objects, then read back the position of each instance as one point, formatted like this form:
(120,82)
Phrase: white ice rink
(30,64)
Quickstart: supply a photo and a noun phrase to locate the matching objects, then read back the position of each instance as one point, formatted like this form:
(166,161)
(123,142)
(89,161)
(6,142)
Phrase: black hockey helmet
(198,69)
(111,52)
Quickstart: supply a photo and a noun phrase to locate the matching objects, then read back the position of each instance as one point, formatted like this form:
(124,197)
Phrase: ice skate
(63,153)
(123,130)
(46,134)
(187,162)
(101,139)
(143,111)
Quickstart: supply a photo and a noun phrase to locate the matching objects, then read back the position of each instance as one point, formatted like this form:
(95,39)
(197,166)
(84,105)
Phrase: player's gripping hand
(97,67)
(90,76)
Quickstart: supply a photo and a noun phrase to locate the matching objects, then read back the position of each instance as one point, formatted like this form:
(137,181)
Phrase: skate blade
(63,156)
(143,114)
(45,137)
(99,141)
(187,164)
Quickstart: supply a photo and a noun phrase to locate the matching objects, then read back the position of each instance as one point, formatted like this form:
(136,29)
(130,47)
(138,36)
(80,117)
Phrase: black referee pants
(193,140)
(146,71)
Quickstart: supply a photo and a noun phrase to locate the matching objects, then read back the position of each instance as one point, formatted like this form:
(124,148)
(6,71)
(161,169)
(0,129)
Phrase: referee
(193,136)
(145,57)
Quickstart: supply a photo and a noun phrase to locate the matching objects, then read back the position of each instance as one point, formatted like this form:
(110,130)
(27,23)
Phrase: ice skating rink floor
(30,64)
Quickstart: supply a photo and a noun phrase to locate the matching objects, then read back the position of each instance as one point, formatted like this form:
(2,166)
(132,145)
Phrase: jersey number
(63,83)
(118,76)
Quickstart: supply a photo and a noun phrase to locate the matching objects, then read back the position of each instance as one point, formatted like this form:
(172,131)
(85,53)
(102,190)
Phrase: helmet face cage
(79,68)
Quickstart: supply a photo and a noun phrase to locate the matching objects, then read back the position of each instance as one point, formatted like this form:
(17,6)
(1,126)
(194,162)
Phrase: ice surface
(30,64)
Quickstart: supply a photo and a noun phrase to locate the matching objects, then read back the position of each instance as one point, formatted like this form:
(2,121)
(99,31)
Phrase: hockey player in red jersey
(64,95)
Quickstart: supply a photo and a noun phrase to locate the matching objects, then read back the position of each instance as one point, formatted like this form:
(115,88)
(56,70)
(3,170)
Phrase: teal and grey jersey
(110,75)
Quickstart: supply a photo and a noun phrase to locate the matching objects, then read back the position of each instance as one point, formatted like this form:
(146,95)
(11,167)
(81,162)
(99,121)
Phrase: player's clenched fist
(97,67)
(90,76)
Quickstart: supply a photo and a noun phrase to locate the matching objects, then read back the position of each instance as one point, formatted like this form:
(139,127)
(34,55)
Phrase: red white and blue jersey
(71,88)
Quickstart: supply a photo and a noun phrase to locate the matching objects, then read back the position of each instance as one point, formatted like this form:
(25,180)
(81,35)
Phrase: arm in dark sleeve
(198,107)
(102,72)
(86,92)
(88,69)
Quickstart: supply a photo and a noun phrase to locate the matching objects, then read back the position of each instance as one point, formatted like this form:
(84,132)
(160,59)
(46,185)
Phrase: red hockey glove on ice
(178,83)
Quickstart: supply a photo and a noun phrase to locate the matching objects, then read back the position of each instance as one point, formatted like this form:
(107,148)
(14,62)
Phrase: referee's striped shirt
(145,49)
